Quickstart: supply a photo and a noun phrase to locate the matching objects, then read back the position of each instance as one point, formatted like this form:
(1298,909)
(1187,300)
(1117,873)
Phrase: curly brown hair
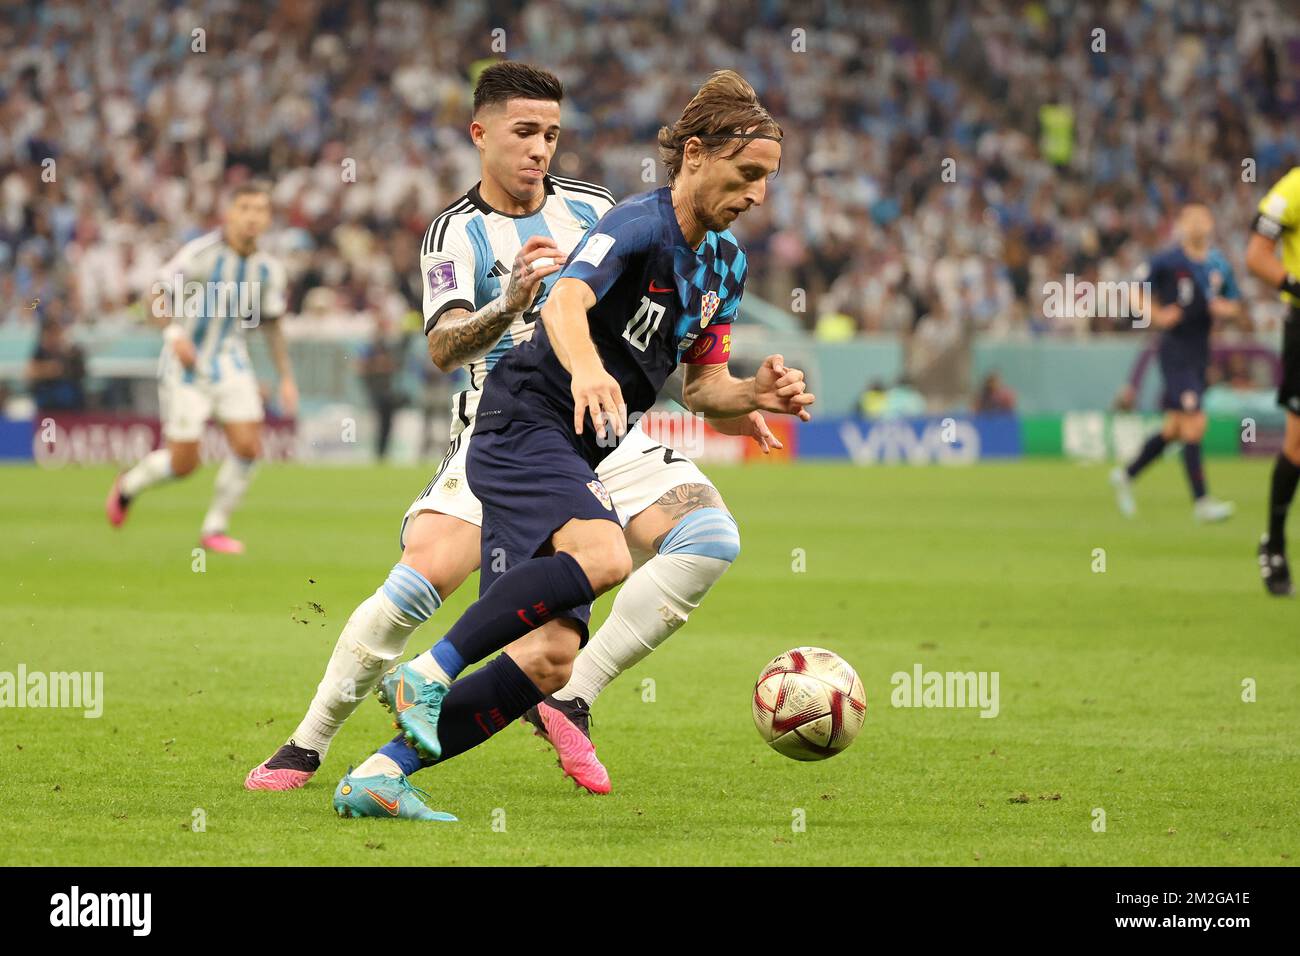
(725,108)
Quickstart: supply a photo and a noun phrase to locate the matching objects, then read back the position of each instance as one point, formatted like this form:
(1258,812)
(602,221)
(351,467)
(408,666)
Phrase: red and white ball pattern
(809,704)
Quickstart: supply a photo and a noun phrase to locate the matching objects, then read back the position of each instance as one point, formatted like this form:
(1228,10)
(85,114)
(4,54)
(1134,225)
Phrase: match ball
(809,704)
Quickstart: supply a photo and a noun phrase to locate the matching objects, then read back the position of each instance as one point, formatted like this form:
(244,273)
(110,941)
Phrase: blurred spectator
(995,396)
(1242,382)
(903,401)
(964,150)
(871,403)
(436,389)
(834,327)
(379,365)
(899,401)
(938,357)
(56,372)
(1238,371)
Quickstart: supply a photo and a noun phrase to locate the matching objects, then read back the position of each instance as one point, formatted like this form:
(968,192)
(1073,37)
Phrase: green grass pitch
(1120,691)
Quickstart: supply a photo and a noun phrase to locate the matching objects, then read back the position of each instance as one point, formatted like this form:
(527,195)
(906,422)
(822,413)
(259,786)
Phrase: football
(809,703)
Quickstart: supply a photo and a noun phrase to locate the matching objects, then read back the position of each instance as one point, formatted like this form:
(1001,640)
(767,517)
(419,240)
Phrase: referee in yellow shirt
(1279,221)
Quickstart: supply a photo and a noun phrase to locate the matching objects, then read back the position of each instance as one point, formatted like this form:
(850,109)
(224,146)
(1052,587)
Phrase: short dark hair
(254,187)
(508,81)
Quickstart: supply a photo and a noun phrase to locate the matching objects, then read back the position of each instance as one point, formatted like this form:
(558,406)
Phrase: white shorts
(187,406)
(636,474)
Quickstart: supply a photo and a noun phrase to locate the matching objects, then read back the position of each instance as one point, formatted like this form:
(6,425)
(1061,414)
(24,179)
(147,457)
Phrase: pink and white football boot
(566,726)
(287,769)
(222,543)
(117,503)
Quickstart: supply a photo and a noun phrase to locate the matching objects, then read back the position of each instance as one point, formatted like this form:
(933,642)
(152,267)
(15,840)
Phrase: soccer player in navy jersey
(655,282)
(476,308)
(1193,287)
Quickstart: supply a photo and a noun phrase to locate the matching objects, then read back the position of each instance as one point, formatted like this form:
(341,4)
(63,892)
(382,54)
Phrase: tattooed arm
(460,334)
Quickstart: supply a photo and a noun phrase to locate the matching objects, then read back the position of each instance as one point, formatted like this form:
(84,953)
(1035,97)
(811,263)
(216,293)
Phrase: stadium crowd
(943,161)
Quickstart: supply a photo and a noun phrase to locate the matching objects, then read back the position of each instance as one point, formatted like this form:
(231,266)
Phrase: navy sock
(522,599)
(402,753)
(1149,453)
(477,706)
(1281,490)
(1195,473)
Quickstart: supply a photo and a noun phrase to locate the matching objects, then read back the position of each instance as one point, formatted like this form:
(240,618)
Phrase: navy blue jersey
(658,302)
(1176,277)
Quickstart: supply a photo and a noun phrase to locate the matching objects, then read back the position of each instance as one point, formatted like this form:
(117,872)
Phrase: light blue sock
(709,532)
(412,593)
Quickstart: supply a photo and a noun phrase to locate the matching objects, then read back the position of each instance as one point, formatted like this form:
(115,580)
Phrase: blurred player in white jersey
(488,262)
(212,290)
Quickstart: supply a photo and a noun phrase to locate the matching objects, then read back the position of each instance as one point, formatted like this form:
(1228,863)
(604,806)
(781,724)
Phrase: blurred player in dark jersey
(1278,220)
(656,282)
(1191,287)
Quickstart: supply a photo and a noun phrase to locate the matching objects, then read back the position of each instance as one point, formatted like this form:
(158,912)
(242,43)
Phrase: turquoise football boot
(416,703)
(383,796)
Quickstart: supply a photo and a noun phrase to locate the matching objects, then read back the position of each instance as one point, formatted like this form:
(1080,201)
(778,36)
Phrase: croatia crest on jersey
(597,488)
(708,307)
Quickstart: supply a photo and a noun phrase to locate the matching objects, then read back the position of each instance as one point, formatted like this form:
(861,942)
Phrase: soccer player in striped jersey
(488,262)
(653,285)
(1278,220)
(212,290)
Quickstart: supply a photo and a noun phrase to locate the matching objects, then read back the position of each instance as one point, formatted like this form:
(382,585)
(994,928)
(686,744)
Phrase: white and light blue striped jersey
(468,251)
(214,293)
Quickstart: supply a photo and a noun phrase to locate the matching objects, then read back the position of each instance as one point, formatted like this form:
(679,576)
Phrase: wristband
(173,333)
(1291,285)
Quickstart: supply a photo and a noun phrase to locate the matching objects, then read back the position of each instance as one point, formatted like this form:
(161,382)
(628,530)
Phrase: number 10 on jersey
(643,324)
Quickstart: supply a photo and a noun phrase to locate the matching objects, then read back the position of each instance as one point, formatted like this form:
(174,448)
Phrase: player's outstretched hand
(781,389)
(538,258)
(597,392)
(753,425)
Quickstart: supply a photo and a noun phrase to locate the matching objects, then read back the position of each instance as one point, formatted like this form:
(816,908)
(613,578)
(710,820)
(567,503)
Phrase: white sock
(427,666)
(374,637)
(377,764)
(656,599)
(653,602)
(233,478)
(154,468)
(418,599)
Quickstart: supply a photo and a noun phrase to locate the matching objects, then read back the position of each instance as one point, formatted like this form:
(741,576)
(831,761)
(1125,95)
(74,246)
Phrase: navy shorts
(531,482)
(1184,384)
